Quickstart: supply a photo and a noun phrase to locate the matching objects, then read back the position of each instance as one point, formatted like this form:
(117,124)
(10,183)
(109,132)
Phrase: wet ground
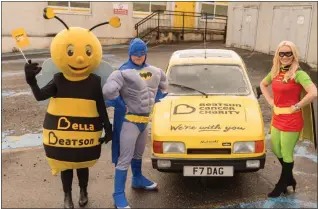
(27,181)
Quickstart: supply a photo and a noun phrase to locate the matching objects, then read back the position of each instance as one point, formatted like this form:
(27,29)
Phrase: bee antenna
(100,24)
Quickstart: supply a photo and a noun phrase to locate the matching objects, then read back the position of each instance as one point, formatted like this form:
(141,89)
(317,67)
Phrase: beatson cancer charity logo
(208,108)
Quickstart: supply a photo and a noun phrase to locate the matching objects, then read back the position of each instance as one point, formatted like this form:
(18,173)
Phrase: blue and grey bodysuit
(133,91)
(138,89)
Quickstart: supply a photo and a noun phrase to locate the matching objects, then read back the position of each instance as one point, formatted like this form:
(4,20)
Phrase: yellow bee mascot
(76,114)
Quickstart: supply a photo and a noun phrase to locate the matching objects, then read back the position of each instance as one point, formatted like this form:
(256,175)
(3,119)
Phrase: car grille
(221,151)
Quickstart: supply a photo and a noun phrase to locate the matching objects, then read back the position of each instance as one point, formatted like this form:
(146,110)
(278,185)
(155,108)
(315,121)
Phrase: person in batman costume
(134,81)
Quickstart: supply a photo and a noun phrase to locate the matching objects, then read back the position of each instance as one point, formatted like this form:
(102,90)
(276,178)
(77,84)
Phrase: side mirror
(258,92)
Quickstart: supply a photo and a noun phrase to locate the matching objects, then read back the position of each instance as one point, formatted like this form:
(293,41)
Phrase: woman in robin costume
(293,92)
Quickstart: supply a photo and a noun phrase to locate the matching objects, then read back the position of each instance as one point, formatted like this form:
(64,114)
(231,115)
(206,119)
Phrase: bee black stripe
(73,154)
(77,90)
(68,123)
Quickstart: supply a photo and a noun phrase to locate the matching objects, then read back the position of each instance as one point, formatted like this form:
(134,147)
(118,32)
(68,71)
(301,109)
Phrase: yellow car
(210,123)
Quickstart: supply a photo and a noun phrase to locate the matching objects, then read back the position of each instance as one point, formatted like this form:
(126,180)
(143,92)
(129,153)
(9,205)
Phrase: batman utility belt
(137,118)
(283,110)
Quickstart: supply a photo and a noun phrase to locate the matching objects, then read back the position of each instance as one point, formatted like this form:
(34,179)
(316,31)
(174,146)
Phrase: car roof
(205,56)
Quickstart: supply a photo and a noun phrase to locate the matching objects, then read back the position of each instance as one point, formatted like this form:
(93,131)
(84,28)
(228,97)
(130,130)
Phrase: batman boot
(68,202)
(119,190)
(138,180)
(83,197)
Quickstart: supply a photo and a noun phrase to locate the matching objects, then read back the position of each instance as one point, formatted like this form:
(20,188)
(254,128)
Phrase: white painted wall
(312,47)
(265,26)
(29,15)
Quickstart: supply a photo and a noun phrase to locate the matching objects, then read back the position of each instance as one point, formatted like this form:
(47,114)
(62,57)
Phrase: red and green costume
(287,129)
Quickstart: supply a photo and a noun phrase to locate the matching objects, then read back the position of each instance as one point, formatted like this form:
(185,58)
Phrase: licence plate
(208,171)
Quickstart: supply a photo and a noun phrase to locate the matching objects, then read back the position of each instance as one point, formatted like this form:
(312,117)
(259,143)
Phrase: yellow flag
(20,37)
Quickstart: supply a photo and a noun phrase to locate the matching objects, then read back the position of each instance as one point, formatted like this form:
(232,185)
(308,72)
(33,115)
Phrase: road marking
(9,74)
(301,151)
(15,93)
(23,60)
(147,160)
(249,56)
(27,140)
(195,46)
(281,202)
(41,59)
(154,46)
(22,149)
(303,173)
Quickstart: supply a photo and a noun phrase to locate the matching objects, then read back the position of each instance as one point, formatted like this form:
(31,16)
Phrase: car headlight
(173,147)
(244,147)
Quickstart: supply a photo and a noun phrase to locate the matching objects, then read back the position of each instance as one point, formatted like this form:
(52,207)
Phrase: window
(210,79)
(58,3)
(82,7)
(216,8)
(146,6)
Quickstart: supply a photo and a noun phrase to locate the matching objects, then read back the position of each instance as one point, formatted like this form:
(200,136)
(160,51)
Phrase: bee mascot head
(76,51)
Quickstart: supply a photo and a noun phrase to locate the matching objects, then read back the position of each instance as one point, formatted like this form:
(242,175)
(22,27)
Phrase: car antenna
(204,44)
(205,39)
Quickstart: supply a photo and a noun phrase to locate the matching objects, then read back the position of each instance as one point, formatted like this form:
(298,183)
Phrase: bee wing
(47,73)
(103,70)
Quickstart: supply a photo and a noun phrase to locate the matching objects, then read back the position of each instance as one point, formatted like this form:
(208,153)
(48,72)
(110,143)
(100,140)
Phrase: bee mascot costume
(76,114)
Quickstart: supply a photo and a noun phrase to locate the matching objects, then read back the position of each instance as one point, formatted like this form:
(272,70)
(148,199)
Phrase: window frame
(70,10)
(220,18)
(141,13)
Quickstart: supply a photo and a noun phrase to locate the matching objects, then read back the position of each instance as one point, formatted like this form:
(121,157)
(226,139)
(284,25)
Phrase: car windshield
(207,78)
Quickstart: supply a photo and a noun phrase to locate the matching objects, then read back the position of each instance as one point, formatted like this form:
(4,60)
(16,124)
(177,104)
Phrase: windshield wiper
(187,87)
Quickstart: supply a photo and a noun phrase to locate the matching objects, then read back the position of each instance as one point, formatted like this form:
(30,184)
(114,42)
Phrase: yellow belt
(282,110)
(137,118)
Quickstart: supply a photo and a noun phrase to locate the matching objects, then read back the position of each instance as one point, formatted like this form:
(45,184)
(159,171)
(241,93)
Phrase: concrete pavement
(28,183)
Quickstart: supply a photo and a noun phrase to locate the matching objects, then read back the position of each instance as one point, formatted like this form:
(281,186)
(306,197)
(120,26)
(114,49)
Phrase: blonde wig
(277,64)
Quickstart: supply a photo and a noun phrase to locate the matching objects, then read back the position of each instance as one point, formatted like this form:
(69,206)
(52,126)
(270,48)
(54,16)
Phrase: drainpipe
(182,25)
(137,31)
(206,26)
(158,33)
(225,32)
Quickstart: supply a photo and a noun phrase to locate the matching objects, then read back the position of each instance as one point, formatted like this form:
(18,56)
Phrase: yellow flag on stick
(21,39)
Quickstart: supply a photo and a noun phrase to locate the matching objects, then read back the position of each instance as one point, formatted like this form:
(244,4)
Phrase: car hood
(214,115)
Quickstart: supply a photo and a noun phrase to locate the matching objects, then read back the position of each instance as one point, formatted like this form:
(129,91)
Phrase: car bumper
(239,164)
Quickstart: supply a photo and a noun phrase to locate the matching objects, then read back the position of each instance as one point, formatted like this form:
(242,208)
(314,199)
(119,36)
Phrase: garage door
(244,27)
(237,26)
(293,24)
(249,26)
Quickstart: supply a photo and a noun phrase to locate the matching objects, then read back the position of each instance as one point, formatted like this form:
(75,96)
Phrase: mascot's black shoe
(68,202)
(83,197)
